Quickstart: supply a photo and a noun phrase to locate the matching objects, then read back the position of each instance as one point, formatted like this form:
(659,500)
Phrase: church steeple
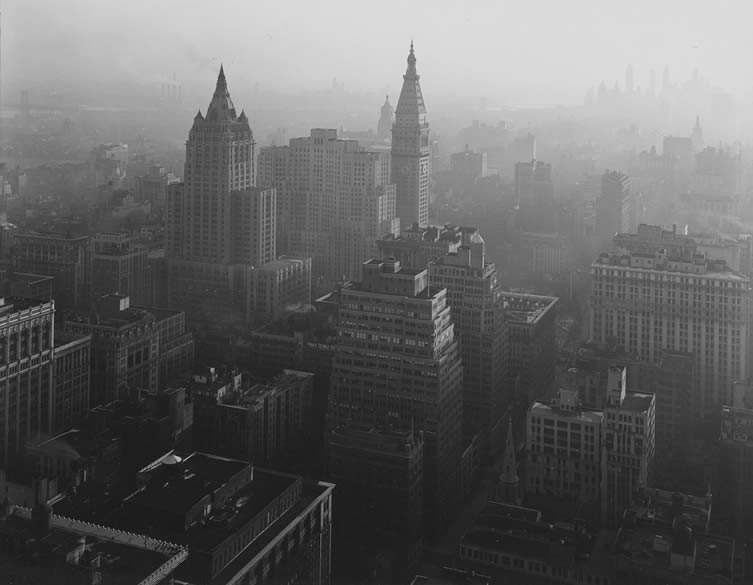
(508,489)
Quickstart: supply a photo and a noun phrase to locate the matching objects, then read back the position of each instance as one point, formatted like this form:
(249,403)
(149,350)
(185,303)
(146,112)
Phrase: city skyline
(701,42)
(507,345)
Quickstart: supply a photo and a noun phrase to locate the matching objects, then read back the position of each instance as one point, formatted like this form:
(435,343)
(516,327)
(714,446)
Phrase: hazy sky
(548,50)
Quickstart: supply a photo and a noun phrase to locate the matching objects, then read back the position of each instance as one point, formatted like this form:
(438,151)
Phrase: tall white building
(338,201)
(650,302)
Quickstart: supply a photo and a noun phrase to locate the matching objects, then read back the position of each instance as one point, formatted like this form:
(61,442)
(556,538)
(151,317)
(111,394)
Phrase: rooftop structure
(63,550)
(507,540)
(527,308)
(235,520)
(650,546)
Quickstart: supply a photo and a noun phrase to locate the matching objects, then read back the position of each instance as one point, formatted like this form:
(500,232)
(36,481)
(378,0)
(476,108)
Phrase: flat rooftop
(203,474)
(699,265)
(526,535)
(637,401)
(63,337)
(649,549)
(15,304)
(123,564)
(586,416)
(114,320)
(527,308)
(654,505)
(311,491)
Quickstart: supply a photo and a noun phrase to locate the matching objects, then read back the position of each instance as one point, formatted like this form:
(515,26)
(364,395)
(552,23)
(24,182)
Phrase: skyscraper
(340,199)
(218,224)
(411,151)
(668,300)
(274,171)
(397,365)
(386,119)
(615,207)
(534,194)
(456,260)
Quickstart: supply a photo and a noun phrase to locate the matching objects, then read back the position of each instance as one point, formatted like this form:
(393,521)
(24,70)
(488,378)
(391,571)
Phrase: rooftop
(577,414)
(201,475)
(10,305)
(58,556)
(660,507)
(527,308)
(666,261)
(654,551)
(498,529)
(637,401)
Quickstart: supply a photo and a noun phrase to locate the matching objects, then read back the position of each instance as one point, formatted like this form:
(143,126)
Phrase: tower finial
(411,59)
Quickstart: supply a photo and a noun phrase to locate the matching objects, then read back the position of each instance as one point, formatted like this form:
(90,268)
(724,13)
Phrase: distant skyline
(540,54)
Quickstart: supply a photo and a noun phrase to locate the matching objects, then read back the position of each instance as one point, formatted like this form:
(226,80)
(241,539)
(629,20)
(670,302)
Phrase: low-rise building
(267,423)
(132,346)
(43,548)
(239,523)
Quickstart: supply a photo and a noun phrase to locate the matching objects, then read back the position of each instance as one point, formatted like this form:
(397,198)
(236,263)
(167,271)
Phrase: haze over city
(519,54)
(339,293)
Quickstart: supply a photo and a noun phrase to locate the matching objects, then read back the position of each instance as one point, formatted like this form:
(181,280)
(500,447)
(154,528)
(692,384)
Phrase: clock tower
(411,152)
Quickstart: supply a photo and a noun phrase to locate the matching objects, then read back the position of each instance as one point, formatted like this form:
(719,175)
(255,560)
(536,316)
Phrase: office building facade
(650,302)
(397,363)
(27,330)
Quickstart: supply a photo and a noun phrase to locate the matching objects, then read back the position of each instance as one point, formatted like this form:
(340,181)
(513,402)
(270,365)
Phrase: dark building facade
(126,346)
(266,423)
(66,258)
(379,477)
(119,265)
(72,379)
(532,345)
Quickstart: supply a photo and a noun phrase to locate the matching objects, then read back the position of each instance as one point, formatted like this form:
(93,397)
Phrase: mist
(520,54)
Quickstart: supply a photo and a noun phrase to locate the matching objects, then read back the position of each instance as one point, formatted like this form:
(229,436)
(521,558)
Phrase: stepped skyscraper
(411,151)
(218,224)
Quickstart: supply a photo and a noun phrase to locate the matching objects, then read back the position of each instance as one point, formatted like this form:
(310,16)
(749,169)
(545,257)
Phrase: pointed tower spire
(221,82)
(221,109)
(508,486)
